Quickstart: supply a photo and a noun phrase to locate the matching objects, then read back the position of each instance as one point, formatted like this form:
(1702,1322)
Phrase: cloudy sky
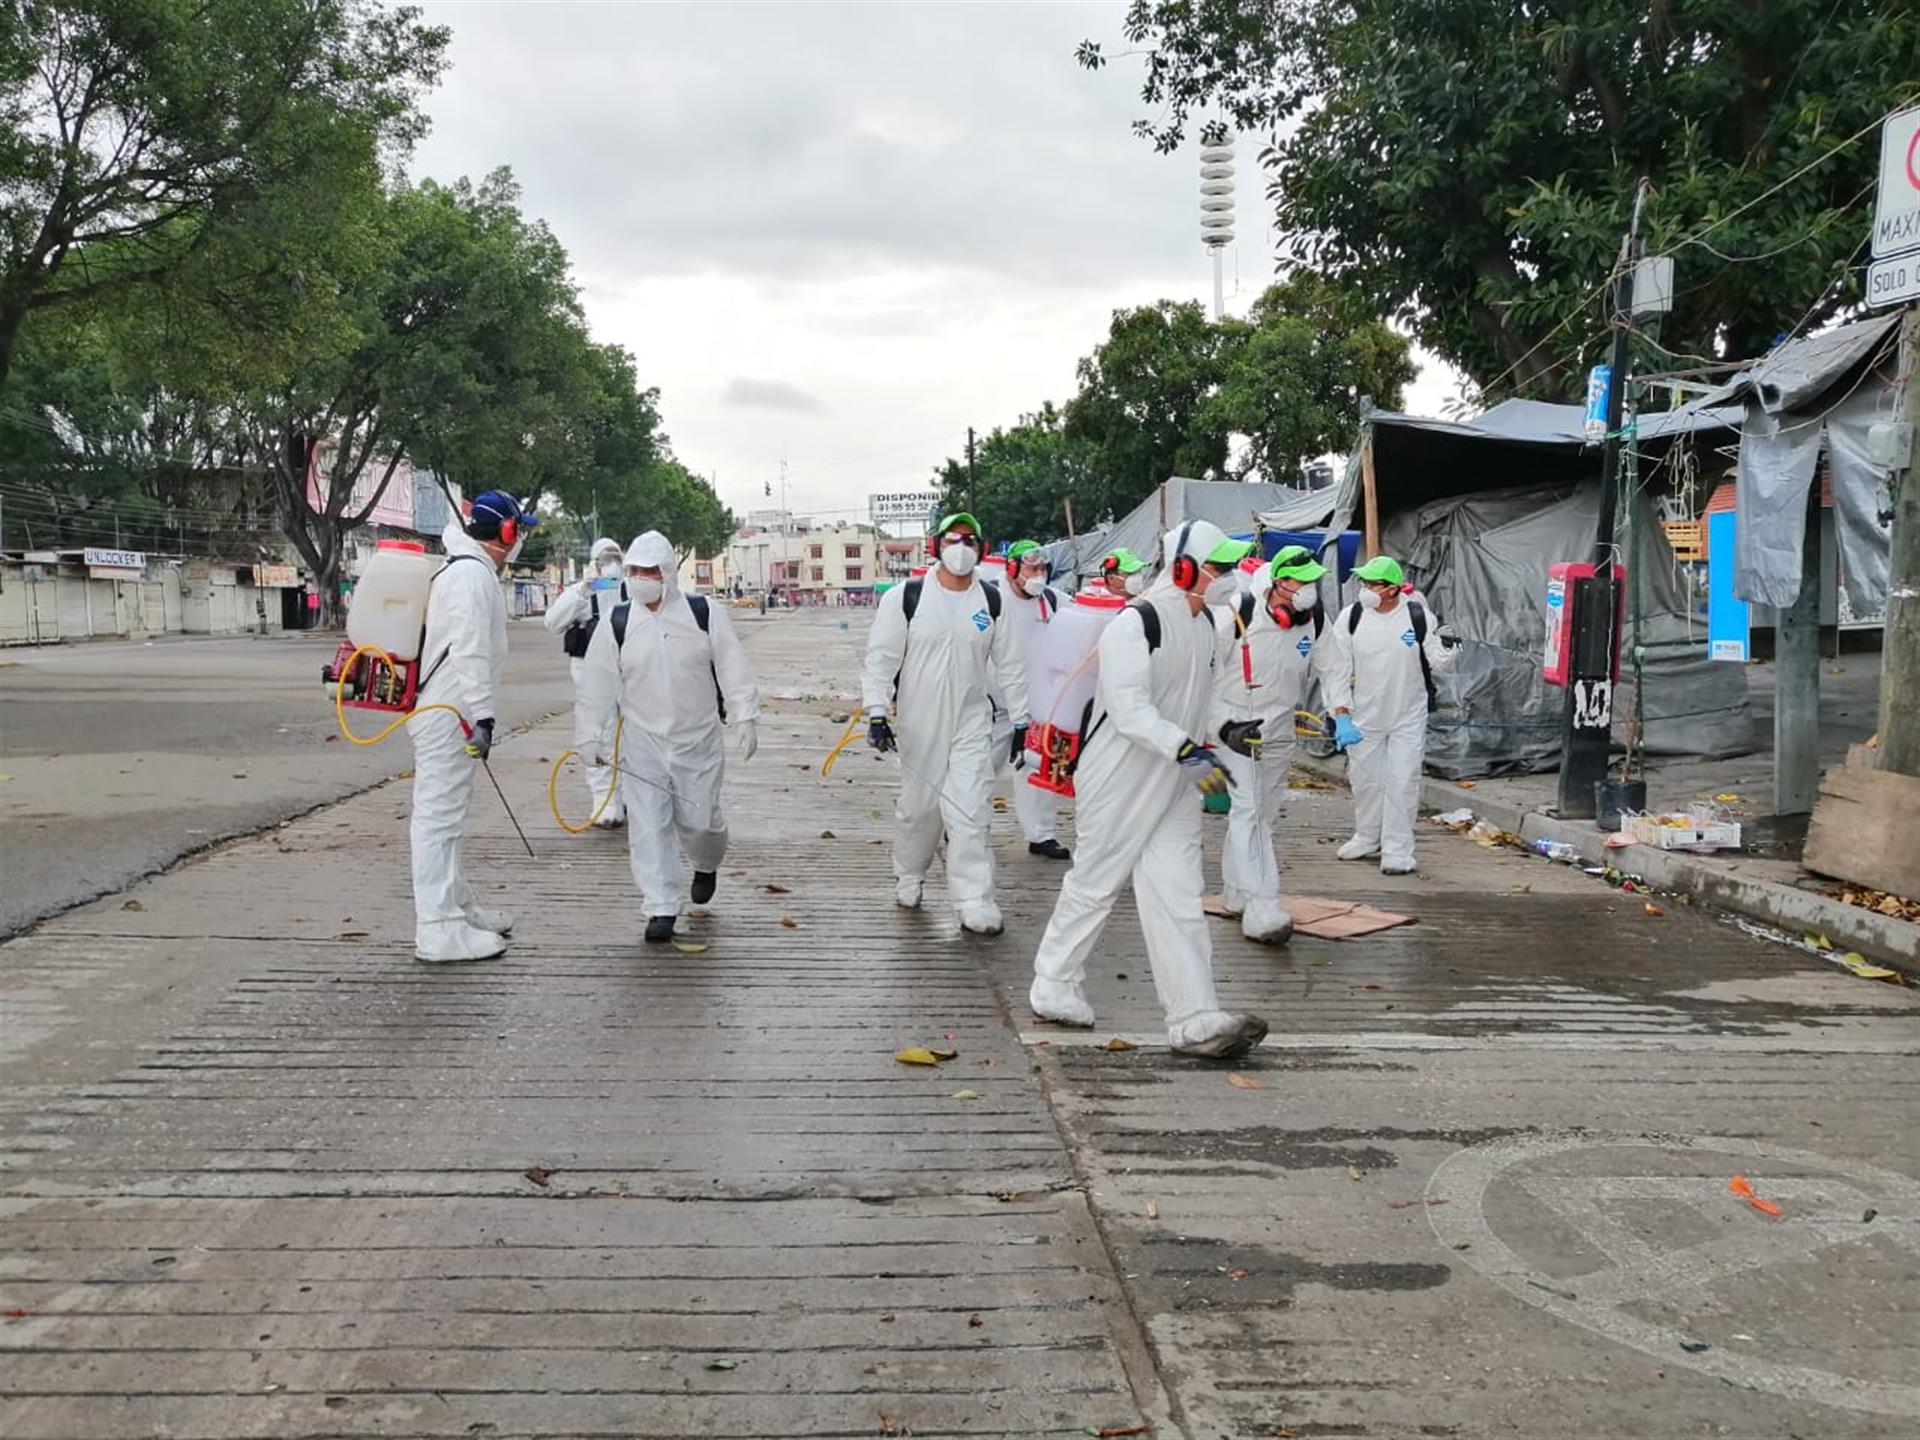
(836,235)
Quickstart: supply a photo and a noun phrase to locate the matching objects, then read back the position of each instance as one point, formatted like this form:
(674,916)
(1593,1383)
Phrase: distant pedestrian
(574,616)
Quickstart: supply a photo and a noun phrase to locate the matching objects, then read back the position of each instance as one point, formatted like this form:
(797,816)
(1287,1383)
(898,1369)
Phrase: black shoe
(1050,849)
(1247,1032)
(660,929)
(703,885)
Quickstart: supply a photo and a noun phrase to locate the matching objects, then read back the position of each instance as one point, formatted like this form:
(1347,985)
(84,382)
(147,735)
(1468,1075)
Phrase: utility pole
(1900,644)
(969,463)
(1587,720)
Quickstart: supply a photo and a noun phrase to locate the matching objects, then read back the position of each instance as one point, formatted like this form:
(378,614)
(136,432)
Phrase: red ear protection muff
(1185,570)
(509,532)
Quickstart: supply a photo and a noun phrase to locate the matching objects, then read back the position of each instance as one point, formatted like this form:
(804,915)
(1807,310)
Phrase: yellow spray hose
(853,732)
(340,701)
(553,786)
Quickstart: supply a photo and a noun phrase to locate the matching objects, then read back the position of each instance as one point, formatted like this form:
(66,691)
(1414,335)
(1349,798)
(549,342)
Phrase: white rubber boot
(452,942)
(500,922)
(982,917)
(1358,849)
(1062,1004)
(906,892)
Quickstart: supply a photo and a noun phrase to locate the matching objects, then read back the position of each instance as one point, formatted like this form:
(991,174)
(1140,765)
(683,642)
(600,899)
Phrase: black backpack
(580,633)
(1417,613)
(701,617)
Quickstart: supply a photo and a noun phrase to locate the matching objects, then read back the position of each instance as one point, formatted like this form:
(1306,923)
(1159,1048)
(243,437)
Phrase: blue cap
(490,508)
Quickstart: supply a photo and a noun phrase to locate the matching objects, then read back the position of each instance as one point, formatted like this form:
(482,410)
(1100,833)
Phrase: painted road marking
(1573,1180)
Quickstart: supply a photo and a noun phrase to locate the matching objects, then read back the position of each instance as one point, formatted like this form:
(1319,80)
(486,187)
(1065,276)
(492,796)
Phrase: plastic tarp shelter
(1478,511)
(1829,387)
(1232,505)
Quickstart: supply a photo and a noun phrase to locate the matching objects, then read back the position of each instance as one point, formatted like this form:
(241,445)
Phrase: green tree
(1468,166)
(1144,393)
(1294,374)
(1022,479)
(134,132)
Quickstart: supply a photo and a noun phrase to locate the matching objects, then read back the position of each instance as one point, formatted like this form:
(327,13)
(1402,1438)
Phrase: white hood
(603,547)
(653,548)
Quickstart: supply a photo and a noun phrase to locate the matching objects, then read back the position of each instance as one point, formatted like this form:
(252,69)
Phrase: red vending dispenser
(1561,580)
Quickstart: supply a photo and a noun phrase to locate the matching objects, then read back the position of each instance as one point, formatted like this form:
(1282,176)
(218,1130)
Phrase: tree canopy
(1468,166)
(1172,392)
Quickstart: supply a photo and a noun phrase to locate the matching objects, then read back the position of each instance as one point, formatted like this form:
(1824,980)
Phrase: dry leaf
(692,947)
(787,922)
(1651,909)
(974,1322)
(133,905)
(888,1318)
(1116,1044)
(966,1094)
(1466,784)
(942,1055)
(776,889)
(916,1055)
(1153,1211)
(723,1364)
(1244,1082)
(540,1175)
(1354,1172)
(1238,1275)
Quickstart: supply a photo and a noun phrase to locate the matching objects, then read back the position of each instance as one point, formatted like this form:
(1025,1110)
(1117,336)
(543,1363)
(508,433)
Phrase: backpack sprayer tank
(388,612)
(1062,671)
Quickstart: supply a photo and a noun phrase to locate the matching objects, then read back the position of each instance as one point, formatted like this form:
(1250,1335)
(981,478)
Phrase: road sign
(1894,281)
(1896,211)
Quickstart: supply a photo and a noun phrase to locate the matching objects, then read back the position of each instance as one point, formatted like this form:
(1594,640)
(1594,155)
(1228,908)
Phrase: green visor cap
(1382,568)
(1125,561)
(1296,562)
(1020,549)
(959,517)
(1229,552)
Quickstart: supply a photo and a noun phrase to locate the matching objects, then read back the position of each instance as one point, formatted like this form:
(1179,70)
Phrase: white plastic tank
(389,605)
(1061,665)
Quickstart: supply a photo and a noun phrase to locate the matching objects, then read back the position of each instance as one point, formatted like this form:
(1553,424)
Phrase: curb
(1881,937)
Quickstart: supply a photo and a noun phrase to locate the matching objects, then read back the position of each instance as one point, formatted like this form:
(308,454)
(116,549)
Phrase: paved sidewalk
(264,1176)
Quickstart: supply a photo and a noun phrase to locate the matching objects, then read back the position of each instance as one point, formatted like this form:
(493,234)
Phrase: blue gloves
(1345,732)
(1207,772)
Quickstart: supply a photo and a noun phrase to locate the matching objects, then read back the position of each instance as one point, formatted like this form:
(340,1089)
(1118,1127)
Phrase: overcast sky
(836,234)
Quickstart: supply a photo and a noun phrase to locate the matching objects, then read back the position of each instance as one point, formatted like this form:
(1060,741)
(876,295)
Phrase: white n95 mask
(959,559)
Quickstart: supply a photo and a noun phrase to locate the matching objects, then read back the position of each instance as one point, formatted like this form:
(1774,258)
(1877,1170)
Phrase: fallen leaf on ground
(942,1055)
(354,934)
(1866,969)
(1466,784)
(1819,942)
(974,1322)
(1116,1044)
(1730,799)
(888,1318)
(966,1094)
(776,889)
(828,835)
(1743,1187)
(1651,909)
(787,922)
(1354,1172)
(1245,1082)
(692,947)
(723,1364)
(735,874)
(1319,962)
(1238,1274)
(133,905)
(916,1055)
(1694,1347)
(1114,1432)
(1153,1211)
(539,1175)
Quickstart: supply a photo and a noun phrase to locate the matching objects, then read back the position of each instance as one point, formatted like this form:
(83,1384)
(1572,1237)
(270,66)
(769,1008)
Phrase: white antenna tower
(1216,212)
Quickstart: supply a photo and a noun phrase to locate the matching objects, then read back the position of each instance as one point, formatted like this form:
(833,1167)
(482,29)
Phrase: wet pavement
(121,757)
(265,1176)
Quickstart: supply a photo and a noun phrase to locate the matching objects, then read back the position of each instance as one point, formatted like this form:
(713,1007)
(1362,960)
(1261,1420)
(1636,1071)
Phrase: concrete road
(122,757)
(260,1174)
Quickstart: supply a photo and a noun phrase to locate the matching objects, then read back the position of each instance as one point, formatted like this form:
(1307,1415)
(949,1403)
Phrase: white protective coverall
(945,733)
(1281,660)
(467,625)
(575,606)
(1036,808)
(665,683)
(1375,673)
(1138,818)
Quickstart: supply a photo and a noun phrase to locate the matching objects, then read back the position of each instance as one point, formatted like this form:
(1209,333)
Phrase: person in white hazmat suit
(1029,604)
(574,615)
(463,652)
(1379,654)
(673,669)
(937,638)
(1275,625)
(1138,818)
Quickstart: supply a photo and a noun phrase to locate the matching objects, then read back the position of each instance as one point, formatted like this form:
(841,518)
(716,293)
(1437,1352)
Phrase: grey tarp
(1233,506)
(1831,387)
(1482,560)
